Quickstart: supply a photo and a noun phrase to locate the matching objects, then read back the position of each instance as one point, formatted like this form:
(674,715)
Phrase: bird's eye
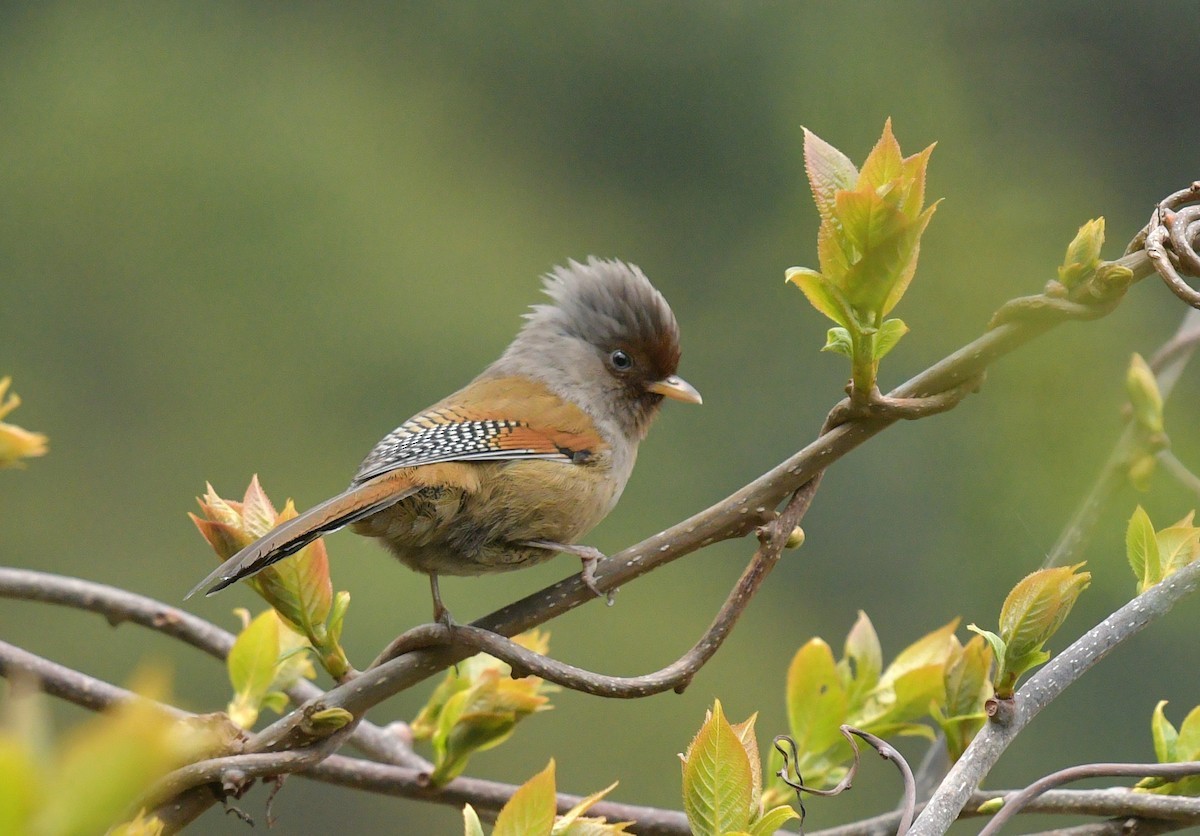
(620,360)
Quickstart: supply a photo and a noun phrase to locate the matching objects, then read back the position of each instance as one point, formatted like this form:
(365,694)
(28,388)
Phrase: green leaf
(931,649)
(530,811)
(838,341)
(1141,547)
(1187,745)
(563,824)
(745,733)
(915,690)
(1037,606)
(1178,545)
(997,644)
(914,168)
(905,274)
(772,820)
(862,650)
(816,701)
(884,164)
(1164,734)
(869,221)
(834,253)
(252,664)
(966,678)
(337,615)
(471,824)
(716,779)
(889,334)
(828,169)
(821,294)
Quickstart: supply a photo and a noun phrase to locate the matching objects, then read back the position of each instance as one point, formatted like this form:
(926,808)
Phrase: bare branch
(117,606)
(1016,802)
(1119,803)
(482,795)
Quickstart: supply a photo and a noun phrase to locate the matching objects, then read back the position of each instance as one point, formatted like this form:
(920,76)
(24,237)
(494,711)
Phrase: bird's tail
(354,504)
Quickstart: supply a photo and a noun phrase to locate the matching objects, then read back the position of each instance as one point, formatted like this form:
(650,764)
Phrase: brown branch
(70,685)
(772,539)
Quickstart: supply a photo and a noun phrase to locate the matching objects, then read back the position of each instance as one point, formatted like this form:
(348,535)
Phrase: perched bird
(526,458)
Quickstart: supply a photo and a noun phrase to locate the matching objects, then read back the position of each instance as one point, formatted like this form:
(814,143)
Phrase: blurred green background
(240,238)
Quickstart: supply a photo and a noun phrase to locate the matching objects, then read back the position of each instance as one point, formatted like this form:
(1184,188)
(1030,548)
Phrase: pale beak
(677,389)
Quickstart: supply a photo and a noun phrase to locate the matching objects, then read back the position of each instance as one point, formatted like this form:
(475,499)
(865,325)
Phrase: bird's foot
(590,556)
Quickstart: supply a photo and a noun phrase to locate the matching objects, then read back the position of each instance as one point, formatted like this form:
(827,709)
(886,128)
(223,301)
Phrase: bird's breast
(474,521)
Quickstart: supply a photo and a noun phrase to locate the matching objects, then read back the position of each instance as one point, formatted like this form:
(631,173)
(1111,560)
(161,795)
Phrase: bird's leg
(589,555)
(440,614)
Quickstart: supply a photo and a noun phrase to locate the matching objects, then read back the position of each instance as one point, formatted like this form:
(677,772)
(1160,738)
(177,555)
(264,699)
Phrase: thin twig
(1015,803)
(1114,802)
(1180,471)
(68,684)
(119,606)
(482,795)
(1168,364)
(885,750)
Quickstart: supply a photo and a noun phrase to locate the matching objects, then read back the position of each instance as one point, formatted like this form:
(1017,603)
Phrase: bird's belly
(454,531)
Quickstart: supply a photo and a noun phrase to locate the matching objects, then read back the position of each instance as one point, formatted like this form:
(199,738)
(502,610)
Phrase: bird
(524,460)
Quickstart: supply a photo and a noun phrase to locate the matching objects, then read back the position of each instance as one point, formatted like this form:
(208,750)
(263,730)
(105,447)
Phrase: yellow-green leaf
(884,164)
(1164,734)
(889,334)
(1037,606)
(821,294)
(828,169)
(816,701)
(772,820)
(1147,401)
(931,649)
(1141,547)
(252,663)
(966,678)
(563,822)
(530,811)
(1178,545)
(745,733)
(1187,745)
(471,824)
(838,340)
(863,652)
(716,779)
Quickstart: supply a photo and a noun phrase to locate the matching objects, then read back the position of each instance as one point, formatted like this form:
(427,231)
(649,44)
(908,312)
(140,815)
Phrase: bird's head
(608,341)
